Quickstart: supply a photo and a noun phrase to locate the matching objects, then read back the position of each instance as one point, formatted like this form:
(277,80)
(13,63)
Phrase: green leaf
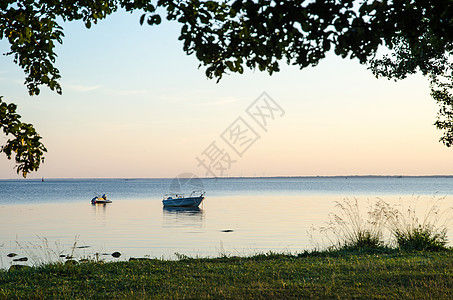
(142,19)
(230,66)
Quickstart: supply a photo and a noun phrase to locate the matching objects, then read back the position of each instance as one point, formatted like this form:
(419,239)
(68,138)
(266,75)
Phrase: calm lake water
(240,216)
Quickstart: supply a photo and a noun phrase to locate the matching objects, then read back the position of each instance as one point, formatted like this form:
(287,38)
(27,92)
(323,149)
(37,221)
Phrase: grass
(352,228)
(326,275)
(422,238)
(424,232)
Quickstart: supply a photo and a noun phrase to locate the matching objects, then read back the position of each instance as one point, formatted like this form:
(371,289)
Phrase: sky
(134,105)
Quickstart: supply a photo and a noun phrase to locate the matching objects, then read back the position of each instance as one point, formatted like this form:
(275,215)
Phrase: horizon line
(241,177)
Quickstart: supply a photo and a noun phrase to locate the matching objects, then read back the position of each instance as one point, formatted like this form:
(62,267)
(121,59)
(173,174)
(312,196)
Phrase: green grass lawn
(389,274)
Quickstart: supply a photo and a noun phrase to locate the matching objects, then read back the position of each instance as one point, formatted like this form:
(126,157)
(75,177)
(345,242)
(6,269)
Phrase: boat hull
(183,202)
(101,201)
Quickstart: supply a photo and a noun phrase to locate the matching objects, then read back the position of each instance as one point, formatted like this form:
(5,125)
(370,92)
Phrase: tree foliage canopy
(229,36)
(26,143)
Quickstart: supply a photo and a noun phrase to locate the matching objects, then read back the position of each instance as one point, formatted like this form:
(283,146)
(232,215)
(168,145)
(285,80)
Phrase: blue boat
(179,200)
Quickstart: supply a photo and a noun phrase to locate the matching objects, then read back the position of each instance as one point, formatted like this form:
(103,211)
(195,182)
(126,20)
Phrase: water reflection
(99,208)
(183,217)
(182,210)
(100,213)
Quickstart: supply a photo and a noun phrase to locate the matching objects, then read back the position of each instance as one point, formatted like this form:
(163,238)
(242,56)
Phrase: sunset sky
(135,105)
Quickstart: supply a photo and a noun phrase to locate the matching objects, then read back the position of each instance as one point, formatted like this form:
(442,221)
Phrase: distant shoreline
(232,177)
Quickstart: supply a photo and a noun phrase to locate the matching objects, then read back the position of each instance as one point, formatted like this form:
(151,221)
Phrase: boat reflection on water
(100,211)
(183,217)
(99,207)
(183,210)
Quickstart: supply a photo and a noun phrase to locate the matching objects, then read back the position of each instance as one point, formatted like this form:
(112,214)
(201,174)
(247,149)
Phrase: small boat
(100,200)
(179,200)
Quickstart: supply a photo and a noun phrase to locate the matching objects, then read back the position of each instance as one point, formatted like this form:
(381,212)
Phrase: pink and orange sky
(134,105)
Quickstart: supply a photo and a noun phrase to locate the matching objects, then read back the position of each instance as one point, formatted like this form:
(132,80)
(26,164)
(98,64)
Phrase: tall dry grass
(380,224)
(417,230)
(353,227)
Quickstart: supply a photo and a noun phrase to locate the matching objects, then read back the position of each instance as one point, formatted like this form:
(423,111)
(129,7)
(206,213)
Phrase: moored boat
(100,199)
(179,200)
